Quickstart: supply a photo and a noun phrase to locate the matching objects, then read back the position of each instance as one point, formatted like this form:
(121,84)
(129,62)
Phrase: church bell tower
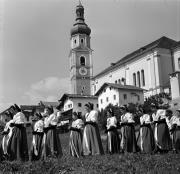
(80,55)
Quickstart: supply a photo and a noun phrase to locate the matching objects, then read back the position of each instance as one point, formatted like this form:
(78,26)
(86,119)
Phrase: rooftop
(118,86)
(66,95)
(162,42)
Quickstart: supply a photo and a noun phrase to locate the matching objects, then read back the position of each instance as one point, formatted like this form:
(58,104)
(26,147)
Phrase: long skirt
(92,144)
(176,139)
(51,145)
(128,141)
(146,139)
(113,141)
(75,143)
(162,136)
(36,148)
(17,147)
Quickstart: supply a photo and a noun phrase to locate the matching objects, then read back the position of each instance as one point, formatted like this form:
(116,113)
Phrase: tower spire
(80,4)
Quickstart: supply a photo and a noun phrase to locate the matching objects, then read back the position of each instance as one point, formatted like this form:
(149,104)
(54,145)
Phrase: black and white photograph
(89,86)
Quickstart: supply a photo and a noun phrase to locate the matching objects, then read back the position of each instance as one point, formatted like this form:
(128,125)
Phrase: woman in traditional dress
(17,146)
(113,142)
(128,141)
(51,145)
(37,137)
(92,144)
(75,142)
(161,132)
(146,138)
(175,131)
(7,134)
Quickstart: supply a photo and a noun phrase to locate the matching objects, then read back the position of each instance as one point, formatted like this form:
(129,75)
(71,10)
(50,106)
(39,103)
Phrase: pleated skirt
(162,136)
(113,142)
(176,139)
(75,144)
(146,139)
(17,147)
(128,141)
(36,150)
(92,144)
(51,145)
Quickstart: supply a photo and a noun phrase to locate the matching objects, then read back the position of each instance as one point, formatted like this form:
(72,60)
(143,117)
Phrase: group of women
(159,132)
(45,140)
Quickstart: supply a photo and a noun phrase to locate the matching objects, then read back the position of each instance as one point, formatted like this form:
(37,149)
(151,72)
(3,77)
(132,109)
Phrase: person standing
(161,132)
(175,131)
(17,146)
(75,140)
(92,144)
(146,138)
(113,142)
(7,133)
(128,141)
(51,145)
(37,137)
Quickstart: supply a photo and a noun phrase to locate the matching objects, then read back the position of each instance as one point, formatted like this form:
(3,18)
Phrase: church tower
(80,55)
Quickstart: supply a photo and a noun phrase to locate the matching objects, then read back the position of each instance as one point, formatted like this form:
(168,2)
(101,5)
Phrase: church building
(148,68)
(81,67)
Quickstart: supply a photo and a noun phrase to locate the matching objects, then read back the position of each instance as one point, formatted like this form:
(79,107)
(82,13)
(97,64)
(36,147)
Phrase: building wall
(176,56)
(156,73)
(175,85)
(109,92)
(73,103)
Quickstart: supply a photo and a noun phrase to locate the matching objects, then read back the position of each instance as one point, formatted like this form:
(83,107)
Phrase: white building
(76,102)
(117,94)
(175,77)
(148,67)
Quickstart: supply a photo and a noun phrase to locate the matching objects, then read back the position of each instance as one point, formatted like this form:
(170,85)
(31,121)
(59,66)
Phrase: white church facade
(148,67)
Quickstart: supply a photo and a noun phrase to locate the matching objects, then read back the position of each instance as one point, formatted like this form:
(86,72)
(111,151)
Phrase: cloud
(48,89)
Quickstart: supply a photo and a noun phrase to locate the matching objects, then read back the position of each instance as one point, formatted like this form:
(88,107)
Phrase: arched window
(134,79)
(138,79)
(75,41)
(119,81)
(82,40)
(142,77)
(179,63)
(82,61)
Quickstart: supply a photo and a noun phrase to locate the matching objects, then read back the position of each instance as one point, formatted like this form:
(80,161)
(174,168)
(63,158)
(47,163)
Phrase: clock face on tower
(83,71)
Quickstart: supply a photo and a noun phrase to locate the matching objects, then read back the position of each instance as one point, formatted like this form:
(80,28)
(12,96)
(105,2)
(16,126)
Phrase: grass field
(126,163)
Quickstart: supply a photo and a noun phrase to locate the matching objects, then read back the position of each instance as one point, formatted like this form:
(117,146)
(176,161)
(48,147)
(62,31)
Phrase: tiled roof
(118,86)
(45,103)
(65,96)
(163,42)
(177,45)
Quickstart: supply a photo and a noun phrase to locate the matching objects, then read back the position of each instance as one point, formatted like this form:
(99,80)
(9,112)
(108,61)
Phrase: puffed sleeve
(80,124)
(53,119)
(141,119)
(94,116)
(130,118)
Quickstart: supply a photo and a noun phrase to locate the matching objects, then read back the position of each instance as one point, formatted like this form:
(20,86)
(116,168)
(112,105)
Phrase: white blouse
(77,124)
(145,119)
(112,121)
(19,118)
(160,114)
(38,126)
(92,116)
(52,119)
(7,126)
(175,120)
(127,118)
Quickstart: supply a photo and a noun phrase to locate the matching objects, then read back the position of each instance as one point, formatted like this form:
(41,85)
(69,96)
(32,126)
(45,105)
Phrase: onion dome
(80,27)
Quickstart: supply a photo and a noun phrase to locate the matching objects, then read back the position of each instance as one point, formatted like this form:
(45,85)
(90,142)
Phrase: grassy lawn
(126,163)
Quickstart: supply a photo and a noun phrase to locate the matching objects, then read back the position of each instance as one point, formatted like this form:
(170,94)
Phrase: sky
(35,40)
